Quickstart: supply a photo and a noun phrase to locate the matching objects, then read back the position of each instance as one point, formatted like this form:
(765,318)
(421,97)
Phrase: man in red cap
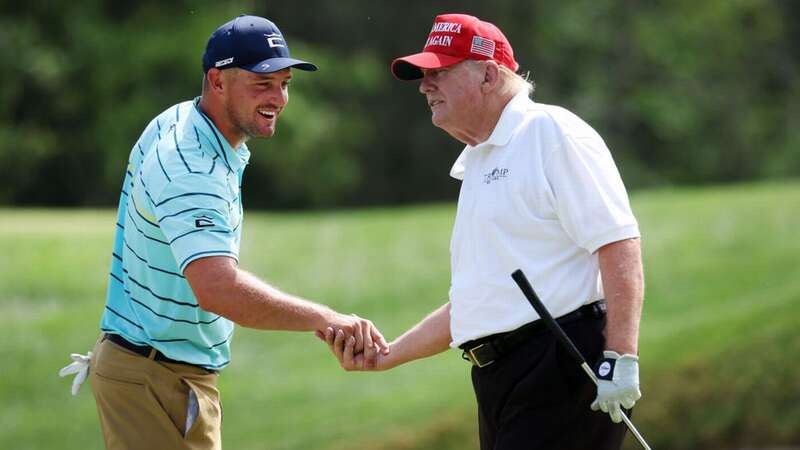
(540,191)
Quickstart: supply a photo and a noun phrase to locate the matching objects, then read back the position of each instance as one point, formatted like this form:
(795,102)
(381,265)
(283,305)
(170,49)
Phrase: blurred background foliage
(684,92)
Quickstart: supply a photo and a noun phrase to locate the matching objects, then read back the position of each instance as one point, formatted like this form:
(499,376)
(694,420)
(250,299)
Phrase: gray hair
(513,83)
(517,82)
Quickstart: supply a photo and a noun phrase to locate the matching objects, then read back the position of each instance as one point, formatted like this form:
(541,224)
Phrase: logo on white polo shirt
(495,175)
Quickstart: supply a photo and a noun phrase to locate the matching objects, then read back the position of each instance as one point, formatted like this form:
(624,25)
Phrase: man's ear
(215,80)
(491,76)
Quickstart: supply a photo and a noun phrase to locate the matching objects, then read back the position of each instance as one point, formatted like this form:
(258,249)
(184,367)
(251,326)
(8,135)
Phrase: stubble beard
(246,127)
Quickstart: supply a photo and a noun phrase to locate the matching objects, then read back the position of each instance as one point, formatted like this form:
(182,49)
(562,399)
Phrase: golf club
(530,294)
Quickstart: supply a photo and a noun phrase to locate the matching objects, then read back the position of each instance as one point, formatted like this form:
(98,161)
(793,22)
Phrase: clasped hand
(356,343)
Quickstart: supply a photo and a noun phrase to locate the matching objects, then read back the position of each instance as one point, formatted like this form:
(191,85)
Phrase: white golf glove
(617,384)
(80,367)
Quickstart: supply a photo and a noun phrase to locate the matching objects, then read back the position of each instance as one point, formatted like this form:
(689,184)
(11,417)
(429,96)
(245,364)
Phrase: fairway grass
(719,340)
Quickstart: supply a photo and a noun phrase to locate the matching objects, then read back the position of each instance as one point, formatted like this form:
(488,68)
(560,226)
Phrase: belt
(146,351)
(486,350)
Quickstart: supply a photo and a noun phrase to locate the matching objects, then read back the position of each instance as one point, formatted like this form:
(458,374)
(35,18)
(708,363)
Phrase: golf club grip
(530,294)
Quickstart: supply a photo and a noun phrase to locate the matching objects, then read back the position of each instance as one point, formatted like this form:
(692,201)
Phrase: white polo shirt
(542,194)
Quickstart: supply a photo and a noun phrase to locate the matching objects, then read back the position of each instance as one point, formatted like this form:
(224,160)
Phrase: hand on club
(617,384)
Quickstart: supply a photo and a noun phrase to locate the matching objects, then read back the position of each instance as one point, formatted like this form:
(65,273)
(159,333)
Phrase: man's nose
(281,98)
(425,86)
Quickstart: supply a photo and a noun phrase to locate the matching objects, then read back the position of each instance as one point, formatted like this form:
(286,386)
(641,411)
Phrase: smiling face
(453,94)
(254,101)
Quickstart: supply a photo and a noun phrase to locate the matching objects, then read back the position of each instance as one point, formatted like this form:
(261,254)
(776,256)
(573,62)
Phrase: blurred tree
(683,92)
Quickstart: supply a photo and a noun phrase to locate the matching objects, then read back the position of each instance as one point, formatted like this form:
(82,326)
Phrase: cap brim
(410,67)
(276,64)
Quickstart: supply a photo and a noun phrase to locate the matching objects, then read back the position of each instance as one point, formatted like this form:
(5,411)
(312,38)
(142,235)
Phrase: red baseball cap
(455,38)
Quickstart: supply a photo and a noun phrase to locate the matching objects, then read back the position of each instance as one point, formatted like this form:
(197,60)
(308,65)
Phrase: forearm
(222,288)
(255,304)
(623,284)
(429,337)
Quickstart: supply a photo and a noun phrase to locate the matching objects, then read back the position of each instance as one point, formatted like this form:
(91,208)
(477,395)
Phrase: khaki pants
(143,404)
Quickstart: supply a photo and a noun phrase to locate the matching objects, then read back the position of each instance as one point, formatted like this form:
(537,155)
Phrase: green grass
(719,340)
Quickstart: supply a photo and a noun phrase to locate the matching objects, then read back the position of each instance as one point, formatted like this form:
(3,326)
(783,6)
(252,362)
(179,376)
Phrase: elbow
(214,295)
(212,281)
(209,301)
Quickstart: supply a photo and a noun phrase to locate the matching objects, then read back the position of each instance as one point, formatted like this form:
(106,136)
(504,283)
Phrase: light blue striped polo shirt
(180,201)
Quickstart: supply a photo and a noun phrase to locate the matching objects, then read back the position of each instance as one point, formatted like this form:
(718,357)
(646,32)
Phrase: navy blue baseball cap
(252,43)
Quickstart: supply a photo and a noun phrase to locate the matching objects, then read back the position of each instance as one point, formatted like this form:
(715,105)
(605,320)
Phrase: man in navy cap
(175,289)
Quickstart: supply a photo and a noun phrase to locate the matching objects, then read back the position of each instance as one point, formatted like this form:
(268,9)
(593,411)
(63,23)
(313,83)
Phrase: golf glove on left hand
(80,367)
(617,384)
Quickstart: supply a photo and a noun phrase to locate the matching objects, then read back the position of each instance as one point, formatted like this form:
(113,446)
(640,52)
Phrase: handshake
(356,343)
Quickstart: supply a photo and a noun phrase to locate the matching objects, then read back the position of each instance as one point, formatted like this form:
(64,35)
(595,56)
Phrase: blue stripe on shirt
(217,366)
(200,145)
(136,208)
(160,297)
(222,342)
(178,148)
(221,147)
(118,279)
(189,194)
(133,221)
(166,317)
(124,318)
(195,231)
(197,136)
(146,191)
(158,156)
(147,263)
(188,210)
(210,252)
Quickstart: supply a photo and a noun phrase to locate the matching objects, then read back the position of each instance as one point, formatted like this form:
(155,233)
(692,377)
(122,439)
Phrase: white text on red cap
(446,27)
(443,27)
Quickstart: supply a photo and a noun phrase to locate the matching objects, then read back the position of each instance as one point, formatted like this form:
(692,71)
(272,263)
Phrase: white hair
(513,83)
(516,82)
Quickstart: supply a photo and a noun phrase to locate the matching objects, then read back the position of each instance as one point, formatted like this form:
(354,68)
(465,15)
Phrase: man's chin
(262,133)
(437,120)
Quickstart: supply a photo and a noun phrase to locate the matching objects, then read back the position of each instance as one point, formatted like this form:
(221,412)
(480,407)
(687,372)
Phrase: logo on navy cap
(223,62)
(272,40)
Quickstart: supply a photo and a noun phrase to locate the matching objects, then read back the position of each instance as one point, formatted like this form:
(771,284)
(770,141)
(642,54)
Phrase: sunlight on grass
(722,277)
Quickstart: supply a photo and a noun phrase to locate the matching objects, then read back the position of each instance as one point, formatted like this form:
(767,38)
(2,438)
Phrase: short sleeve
(199,217)
(590,198)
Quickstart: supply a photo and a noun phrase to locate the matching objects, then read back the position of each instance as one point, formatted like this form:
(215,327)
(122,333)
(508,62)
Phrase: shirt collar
(234,158)
(508,122)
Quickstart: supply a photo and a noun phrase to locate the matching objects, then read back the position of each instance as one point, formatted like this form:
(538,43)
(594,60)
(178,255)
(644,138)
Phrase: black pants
(537,397)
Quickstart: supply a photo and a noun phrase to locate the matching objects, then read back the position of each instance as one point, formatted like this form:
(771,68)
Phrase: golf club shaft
(523,283)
